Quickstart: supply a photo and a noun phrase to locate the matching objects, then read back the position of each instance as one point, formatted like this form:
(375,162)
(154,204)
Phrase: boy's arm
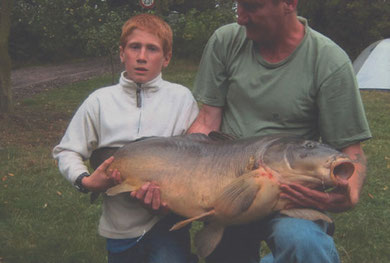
(101,179)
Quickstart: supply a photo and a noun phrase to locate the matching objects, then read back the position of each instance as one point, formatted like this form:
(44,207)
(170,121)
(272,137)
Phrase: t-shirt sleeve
(210,83)
(342,119)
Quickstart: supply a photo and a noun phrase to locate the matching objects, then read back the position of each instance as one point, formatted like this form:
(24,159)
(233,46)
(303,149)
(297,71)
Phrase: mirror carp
(225,181)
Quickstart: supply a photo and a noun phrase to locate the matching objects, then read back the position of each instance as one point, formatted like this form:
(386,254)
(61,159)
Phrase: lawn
(44,219)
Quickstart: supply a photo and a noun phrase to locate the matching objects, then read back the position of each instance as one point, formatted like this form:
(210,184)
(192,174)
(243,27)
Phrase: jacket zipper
(139,105)
(139,98)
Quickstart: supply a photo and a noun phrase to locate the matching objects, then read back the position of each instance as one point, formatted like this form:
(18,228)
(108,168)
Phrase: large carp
(225,181)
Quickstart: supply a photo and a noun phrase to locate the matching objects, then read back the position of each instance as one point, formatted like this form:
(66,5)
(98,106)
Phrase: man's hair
(151,24)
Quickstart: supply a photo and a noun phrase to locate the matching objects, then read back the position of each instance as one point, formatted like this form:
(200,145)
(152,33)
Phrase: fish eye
(309,145)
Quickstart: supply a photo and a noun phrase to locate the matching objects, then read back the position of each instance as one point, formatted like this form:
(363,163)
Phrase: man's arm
(356,181)
(209,119)
(341,199)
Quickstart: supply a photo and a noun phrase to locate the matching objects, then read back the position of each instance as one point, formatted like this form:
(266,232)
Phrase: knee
(302,236)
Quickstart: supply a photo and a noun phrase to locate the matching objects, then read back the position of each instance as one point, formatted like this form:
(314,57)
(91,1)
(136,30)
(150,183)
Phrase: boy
(142,104)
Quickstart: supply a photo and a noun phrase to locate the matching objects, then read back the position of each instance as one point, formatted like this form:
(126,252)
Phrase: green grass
(43,218)
(362,234)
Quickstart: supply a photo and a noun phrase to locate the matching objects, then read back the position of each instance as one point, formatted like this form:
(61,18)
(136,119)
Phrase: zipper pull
(139,98)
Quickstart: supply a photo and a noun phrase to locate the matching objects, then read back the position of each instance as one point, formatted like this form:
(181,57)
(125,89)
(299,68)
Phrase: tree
(6,104)
(102,38)
(351,24)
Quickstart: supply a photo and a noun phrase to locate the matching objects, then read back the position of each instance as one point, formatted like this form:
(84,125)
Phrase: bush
(192,30)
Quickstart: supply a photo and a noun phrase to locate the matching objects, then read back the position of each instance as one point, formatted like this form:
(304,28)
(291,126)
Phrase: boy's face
(143,56)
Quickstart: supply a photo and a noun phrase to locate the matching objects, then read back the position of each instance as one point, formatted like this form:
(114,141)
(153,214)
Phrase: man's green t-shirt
(312,93)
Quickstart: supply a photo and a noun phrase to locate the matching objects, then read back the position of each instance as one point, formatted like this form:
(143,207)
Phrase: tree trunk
(6,103)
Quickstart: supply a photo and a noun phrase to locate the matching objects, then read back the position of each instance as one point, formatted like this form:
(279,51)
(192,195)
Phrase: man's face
(143,56)
(262,19)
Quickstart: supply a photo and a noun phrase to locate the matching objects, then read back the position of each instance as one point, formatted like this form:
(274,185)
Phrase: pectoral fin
(238,196)
(183,223)
(120,188)
(305,213)
(207,239)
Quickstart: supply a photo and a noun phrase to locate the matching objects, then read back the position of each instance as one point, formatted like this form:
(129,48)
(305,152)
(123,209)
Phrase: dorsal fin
(99,155)
(144,138)
(199,137)
(220,136)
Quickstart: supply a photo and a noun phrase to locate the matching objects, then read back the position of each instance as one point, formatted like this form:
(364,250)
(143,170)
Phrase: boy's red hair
(151,24)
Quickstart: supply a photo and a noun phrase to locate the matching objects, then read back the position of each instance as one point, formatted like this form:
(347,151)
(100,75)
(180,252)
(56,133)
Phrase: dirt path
(29,81)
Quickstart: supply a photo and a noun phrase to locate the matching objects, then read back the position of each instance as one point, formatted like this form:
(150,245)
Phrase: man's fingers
(290,191)
(305,198)
(295,203)
(301,192)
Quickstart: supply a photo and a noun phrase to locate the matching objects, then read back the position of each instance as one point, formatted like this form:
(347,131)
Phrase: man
(271,73)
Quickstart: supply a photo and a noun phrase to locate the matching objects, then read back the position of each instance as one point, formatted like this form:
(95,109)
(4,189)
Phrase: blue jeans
(290,240)
(159,245)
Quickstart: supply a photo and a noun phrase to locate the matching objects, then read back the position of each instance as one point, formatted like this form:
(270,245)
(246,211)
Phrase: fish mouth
(341,170)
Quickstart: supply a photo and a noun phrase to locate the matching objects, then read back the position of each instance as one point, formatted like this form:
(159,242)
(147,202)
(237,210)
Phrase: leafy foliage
(193,29)
(47,30)
(352,24)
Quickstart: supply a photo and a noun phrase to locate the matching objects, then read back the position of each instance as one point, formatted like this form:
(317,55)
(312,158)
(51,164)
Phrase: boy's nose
(142,54)
(242,18)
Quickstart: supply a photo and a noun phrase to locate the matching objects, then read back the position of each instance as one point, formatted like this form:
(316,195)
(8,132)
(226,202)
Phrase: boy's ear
(121,54)
(167,59)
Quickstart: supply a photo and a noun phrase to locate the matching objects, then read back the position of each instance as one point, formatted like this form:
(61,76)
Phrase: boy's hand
(149,195)
(101,179)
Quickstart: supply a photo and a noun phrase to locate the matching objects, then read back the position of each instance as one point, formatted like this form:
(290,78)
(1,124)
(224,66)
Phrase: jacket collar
(149,87)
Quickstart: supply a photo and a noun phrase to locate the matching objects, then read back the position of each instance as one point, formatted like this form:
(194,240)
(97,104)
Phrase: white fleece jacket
(110,117)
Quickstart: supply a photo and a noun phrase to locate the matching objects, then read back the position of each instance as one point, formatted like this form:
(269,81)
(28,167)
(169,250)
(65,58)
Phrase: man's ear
(167,59)
(290,6)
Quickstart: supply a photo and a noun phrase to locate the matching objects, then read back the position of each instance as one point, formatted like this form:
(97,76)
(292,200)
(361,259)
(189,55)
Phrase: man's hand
(149,195)
(300,196)
(344,197)
(101,179)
